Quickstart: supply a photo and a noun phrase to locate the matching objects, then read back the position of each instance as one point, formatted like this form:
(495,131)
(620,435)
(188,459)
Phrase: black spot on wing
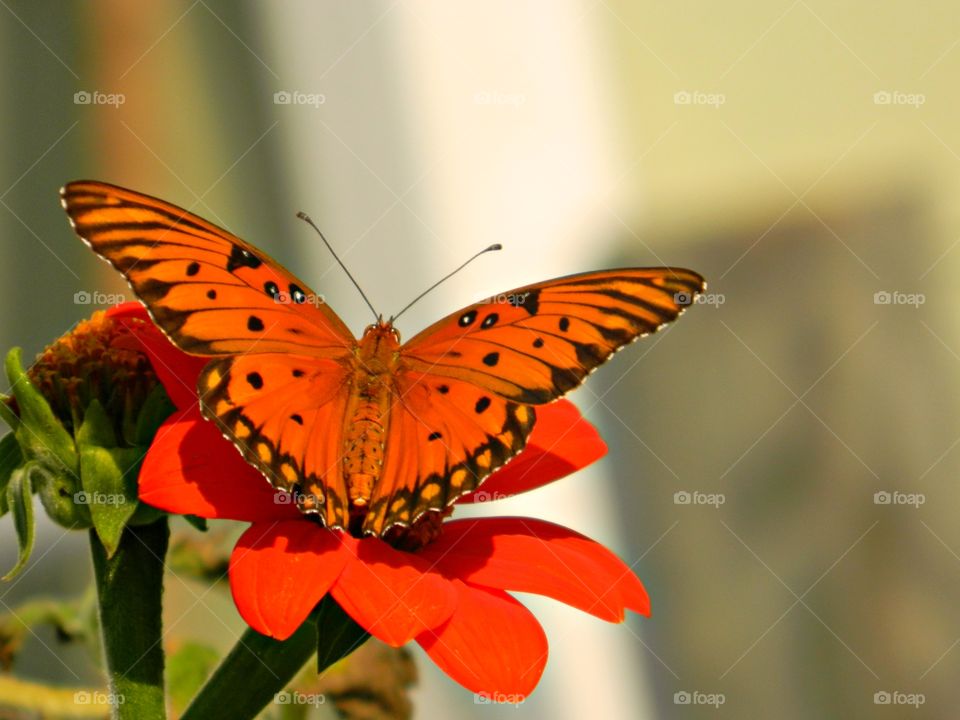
(529,301)
(242,258)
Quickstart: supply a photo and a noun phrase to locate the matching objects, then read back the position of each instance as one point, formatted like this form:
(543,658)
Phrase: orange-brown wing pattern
(536,343)
(211,292)
(286,414)
(445,436)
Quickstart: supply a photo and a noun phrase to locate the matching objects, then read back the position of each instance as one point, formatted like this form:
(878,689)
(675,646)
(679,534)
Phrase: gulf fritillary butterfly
(373,433)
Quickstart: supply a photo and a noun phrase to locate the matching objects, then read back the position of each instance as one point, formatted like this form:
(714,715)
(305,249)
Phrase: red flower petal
(562,442)
(491,645)
(534,556)
(280,571)
(191,468)
(393,594)
(176,370)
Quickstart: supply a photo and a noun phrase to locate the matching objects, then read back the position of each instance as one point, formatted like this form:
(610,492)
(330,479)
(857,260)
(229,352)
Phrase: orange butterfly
(367,434)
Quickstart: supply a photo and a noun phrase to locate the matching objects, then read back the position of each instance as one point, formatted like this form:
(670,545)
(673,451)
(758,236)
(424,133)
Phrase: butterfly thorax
(368,411)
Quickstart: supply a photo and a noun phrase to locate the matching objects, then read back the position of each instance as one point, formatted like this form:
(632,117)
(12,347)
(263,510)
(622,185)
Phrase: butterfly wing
(211,292)
(534,344)
(286,415)
(466,384)
(445,436)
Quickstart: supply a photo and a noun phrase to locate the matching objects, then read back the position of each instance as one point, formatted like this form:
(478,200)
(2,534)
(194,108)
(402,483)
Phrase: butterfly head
(382,329)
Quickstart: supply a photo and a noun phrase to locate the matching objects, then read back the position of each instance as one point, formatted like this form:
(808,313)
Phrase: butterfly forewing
(211,292)
(536,343)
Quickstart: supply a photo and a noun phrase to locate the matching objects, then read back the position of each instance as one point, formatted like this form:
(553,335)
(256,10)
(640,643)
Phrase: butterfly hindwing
(211,292)
(534,344)
(445,436)
(286,415)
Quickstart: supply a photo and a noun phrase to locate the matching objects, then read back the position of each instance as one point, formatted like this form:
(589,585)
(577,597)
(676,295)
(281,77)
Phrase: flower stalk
(129,590)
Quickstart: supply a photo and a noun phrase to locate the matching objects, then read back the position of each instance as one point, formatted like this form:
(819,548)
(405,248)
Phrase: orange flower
(450,596)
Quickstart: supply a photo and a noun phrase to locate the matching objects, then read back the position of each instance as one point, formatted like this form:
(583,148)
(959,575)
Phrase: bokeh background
(803,155)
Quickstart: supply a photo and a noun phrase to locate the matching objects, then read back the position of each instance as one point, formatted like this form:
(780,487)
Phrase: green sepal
(10,459)
(198,522)
(97,428)
(41,435)
(109,478)
(156,408)
(338,634)
(60,494)
(20,501)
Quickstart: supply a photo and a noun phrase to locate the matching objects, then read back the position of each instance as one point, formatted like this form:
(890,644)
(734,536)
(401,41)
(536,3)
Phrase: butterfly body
(367,434)
(368,414)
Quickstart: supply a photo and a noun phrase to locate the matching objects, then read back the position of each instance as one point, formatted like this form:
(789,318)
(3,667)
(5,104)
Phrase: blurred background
(783,461)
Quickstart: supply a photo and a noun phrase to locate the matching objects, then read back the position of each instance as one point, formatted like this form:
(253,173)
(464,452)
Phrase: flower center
(98,360)
(427,528)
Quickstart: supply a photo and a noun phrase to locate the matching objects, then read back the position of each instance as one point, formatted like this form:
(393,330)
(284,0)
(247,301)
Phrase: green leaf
(20,502)
(187,668)
(109,478)
(10,459)
(97,428)
(40,434)
(337,633)
(156,408)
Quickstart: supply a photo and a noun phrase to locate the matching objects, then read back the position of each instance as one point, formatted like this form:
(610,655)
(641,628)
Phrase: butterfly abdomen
(363,447)
(368,413)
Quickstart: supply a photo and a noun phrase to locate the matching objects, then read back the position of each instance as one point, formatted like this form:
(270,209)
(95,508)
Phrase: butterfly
(367,434)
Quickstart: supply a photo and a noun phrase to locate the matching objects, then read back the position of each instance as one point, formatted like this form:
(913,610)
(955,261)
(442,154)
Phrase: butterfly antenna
(495,246)
(306,218)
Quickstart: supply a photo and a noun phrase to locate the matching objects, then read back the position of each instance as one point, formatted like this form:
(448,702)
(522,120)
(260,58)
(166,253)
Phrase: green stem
(257,668)
(129,589)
